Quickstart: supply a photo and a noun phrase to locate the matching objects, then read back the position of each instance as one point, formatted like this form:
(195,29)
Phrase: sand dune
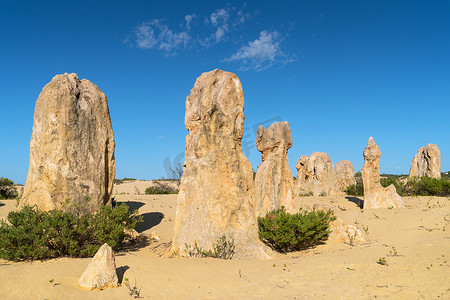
(419,233)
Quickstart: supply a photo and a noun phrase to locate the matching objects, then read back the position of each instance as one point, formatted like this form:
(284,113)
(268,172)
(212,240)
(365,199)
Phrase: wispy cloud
(189,19)
(223,20)
(219,19)
(217,27)
(261,53)
(155,34)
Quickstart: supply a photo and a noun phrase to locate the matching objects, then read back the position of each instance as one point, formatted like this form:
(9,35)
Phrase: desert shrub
(355,190)
(31,234)
(160,188)
(423,186)
(223,248)
(393,179)
(285,232)
(426,186)
(120,181)
(306,194)
(7,189)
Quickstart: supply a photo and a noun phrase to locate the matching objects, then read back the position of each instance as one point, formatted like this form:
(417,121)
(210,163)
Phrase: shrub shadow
(359,202)
(133,205)
(133,245)
(149,220)
(120,272)
(1,204)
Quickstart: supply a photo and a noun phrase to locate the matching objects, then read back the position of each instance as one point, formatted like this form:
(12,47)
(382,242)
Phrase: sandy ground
(138,186)
(421,269)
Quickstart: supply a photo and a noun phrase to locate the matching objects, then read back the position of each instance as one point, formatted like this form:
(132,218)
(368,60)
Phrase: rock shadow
(359,202)
(133,205)
(120,272)
(149,220)
(1,204)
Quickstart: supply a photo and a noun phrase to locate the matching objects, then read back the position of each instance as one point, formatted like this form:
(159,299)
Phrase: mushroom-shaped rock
(344,174)
(316,175)
(375,195)
(216,186)
(71,148)
(101,272)
(274,184)
(427,162)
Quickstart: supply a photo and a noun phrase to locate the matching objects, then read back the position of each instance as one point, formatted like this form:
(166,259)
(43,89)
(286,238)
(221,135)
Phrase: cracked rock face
(274,184)
(344,174)
(375,195)
(316,175)
(216,187)
(427,162)
(72,147)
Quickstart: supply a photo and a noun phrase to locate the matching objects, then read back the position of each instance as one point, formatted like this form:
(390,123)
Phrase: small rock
(101,272)
(345,233)
(154,236)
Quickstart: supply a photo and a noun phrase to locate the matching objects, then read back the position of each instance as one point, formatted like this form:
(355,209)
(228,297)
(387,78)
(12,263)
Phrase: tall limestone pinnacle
(375,195)
(216,187)
(427,162)
(72,147)
(316,175)
(274,184)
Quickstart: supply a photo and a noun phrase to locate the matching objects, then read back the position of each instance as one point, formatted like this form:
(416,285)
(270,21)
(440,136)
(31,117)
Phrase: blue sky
(338,71)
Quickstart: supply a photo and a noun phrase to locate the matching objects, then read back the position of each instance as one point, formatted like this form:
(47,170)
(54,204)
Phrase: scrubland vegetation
(7,189)
(30,234)
(285,232)
(417,186)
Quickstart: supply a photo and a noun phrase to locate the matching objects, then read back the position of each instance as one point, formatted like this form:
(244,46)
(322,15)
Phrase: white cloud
(219,18)
(188,19)
(154,34)
(261,53)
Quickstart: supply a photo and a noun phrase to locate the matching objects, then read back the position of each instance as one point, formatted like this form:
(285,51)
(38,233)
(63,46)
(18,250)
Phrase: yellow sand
(419,233)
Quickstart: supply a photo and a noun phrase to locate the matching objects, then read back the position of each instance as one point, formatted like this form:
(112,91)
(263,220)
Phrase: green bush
(120,181)
(285,232)
(31,234)
(355,190)
(160,188)
(7,189)
(423,186)
(393,179)
(223,248)
(426,186)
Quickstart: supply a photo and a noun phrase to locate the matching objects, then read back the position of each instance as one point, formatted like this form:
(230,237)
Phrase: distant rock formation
(375,196)
(19,189)
(427,162)
(216,186)
(344,174)
(101,272)
(71,148)
(316,175)
(274,183)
